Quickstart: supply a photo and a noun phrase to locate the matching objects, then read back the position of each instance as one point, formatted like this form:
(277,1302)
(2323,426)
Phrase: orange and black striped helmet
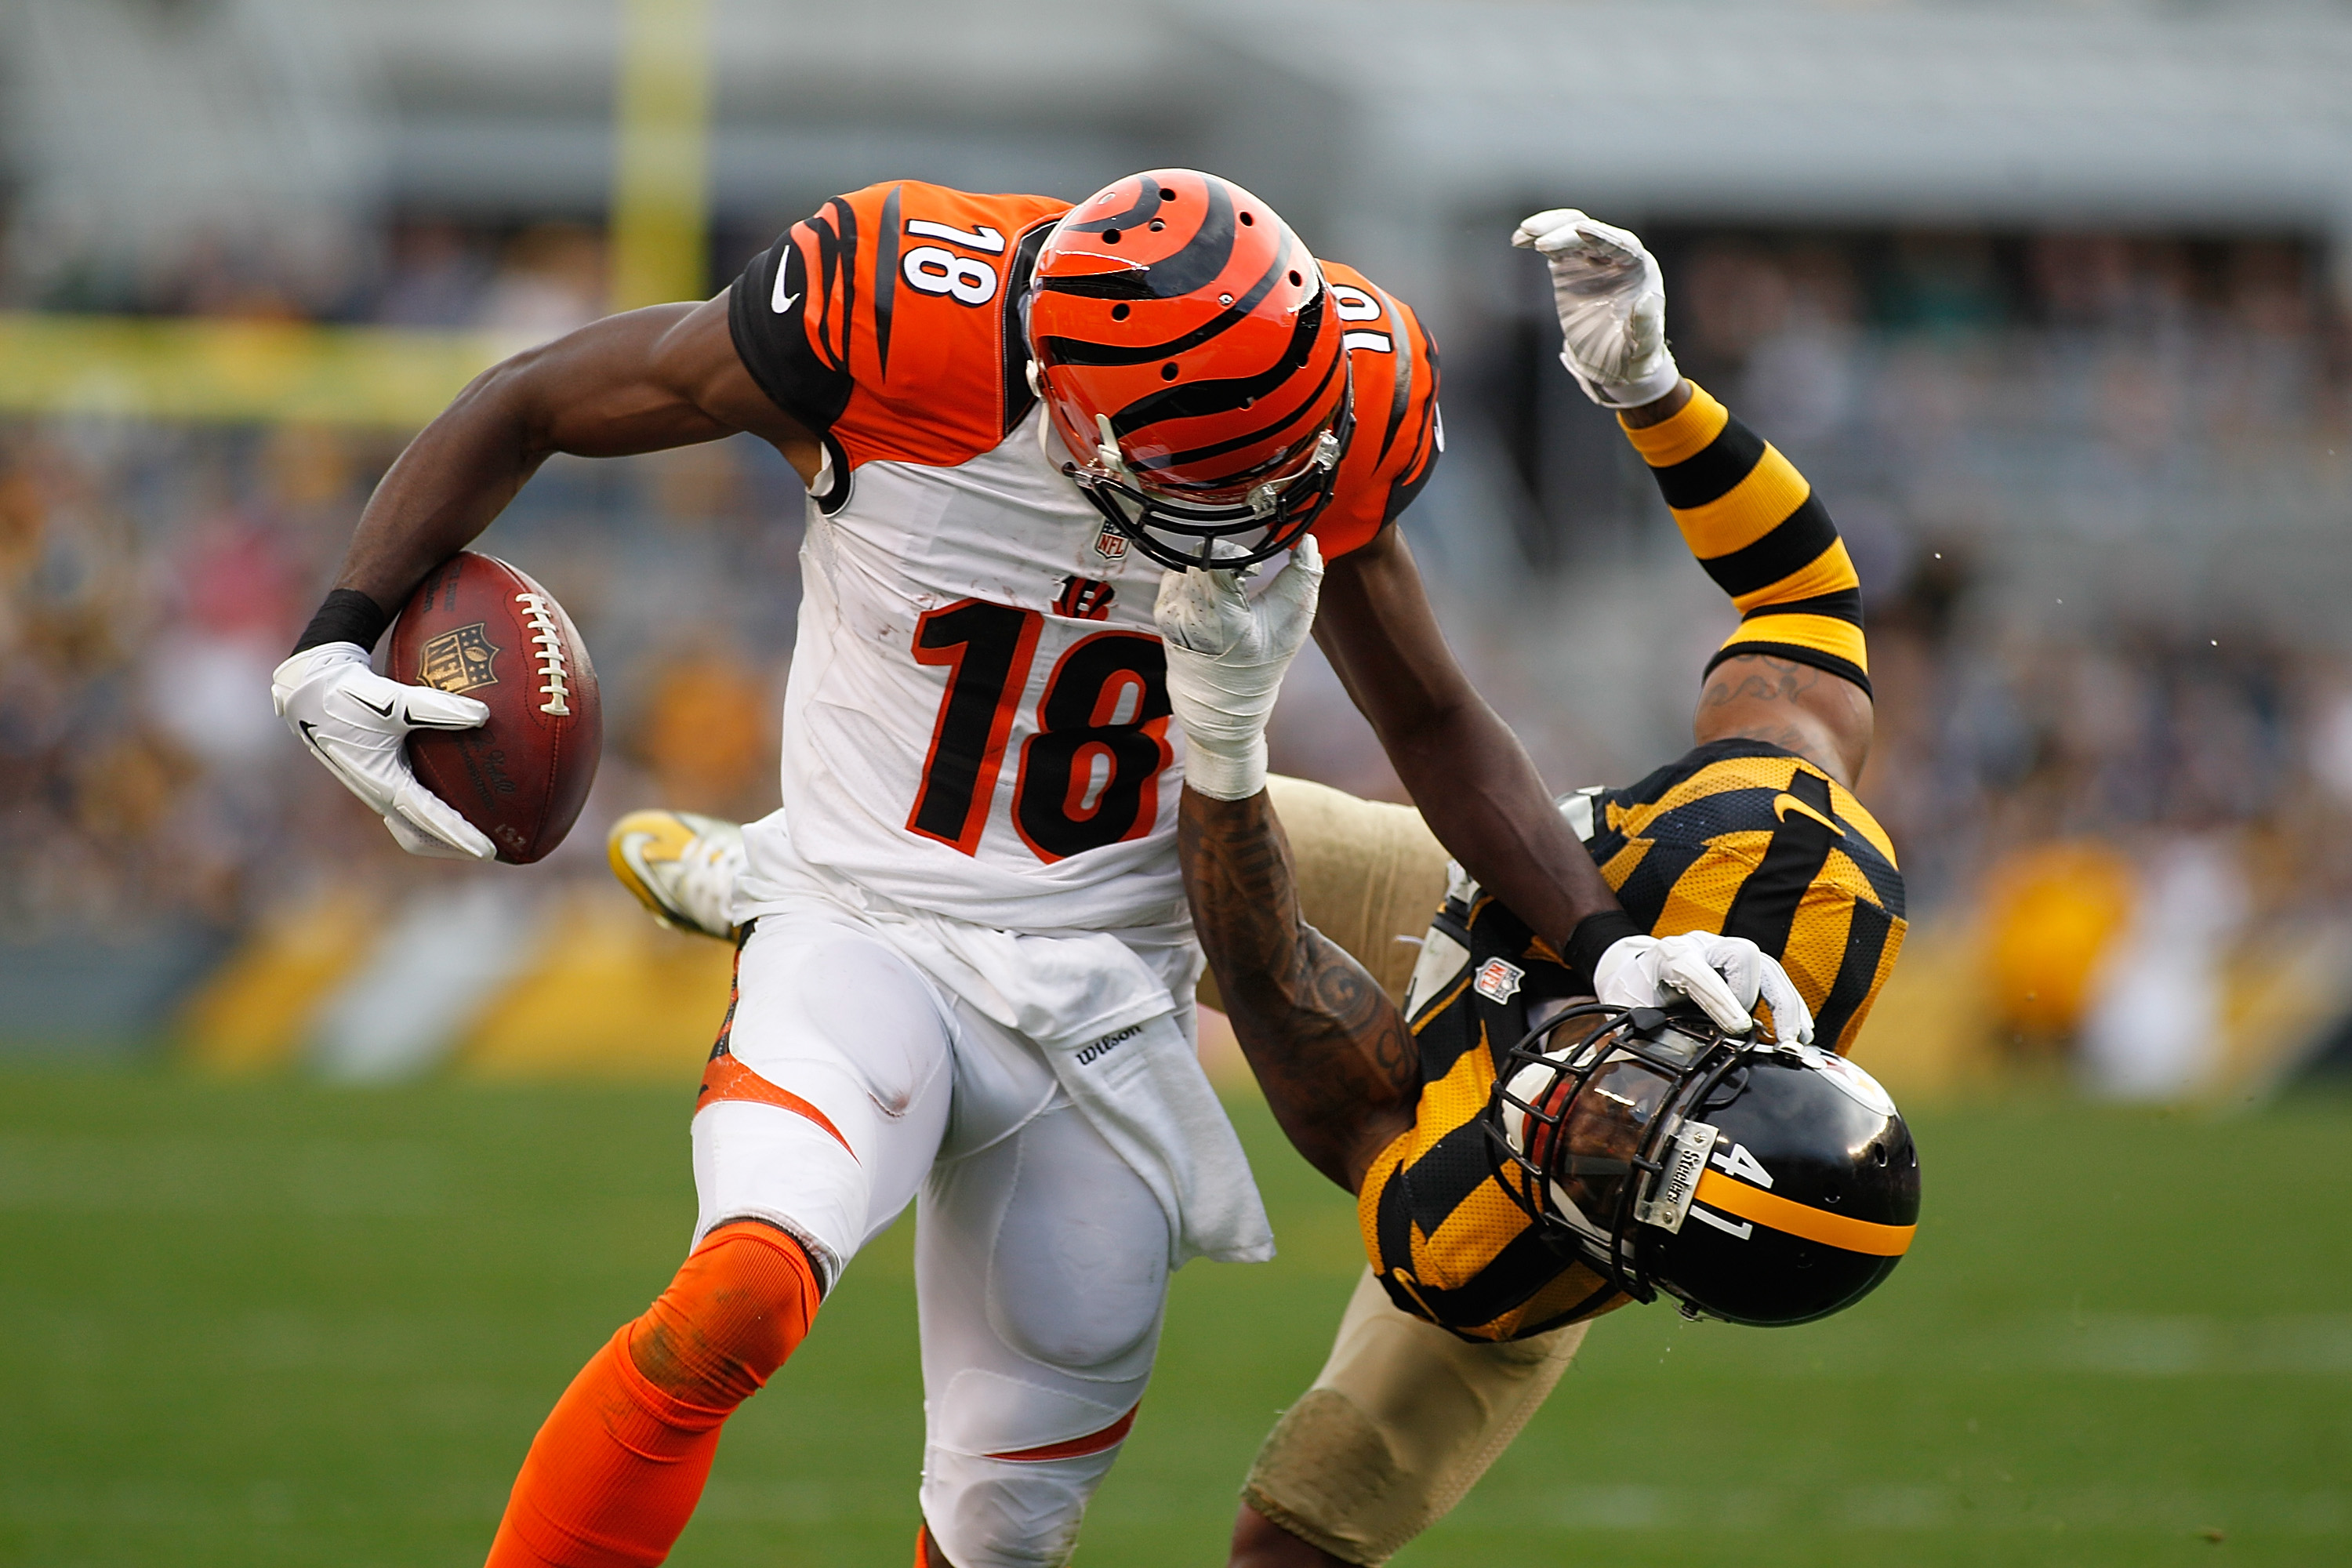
(1185,347)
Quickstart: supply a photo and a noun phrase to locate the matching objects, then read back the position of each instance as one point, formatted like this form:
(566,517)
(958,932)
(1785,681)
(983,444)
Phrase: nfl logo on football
(1498,981)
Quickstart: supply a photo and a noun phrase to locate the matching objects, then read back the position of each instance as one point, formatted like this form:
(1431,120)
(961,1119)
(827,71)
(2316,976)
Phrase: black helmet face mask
(1598,1139)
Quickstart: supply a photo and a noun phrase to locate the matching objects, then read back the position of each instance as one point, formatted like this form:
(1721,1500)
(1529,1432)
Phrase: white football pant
(1041,1258)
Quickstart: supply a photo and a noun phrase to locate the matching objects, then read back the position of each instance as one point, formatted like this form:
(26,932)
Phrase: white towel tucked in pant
(1112,1011)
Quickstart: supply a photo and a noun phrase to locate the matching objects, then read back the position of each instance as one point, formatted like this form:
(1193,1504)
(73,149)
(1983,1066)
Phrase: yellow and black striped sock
(1762,535)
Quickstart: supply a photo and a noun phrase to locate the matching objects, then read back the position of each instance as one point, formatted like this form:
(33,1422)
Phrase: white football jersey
(977,724)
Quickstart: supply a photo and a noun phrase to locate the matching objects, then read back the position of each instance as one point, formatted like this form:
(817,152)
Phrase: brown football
(479,626)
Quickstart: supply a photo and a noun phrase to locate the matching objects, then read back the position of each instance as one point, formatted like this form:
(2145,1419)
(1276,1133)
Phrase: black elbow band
(347,616)
(1594,935)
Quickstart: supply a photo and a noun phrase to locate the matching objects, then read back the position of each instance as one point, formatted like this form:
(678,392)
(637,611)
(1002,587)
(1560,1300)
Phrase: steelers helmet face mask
(1755,1182)
(1587,1128)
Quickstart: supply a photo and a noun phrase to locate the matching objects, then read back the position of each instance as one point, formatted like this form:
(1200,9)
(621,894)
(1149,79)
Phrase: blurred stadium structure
(2051,302)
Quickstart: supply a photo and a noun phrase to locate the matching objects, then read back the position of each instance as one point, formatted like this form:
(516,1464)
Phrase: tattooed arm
(1823,718)
(1331,1051)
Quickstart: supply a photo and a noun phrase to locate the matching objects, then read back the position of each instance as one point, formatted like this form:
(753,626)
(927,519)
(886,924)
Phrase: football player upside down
(966,967)
(1524,1159)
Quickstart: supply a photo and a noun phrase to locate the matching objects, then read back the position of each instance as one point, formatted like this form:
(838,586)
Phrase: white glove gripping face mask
(1226,653)
(1726,976)
(1611,301)
(358,723)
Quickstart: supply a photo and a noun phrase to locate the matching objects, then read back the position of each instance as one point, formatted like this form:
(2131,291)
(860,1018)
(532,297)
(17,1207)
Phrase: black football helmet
(1756,1182)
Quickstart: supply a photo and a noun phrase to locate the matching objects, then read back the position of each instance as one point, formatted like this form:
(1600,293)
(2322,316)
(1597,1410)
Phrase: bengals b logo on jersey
(1085,599)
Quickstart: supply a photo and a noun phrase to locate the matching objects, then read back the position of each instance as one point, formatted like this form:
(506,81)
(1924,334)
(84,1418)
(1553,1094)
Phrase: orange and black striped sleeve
(1756,525)
(1399,432)
(885,322)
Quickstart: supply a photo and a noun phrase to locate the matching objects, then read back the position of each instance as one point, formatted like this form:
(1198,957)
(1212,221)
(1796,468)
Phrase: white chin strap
(1108,453)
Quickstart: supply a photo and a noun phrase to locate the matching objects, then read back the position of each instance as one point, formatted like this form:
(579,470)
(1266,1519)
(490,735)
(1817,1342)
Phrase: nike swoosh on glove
(1226,653)
(1726,976)
(1611,300)
(358,723)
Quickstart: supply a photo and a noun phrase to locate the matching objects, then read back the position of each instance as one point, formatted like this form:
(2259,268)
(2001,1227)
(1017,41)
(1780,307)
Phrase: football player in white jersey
(965,971)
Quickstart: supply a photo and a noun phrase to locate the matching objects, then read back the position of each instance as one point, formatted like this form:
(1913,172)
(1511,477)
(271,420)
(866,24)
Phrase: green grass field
(270,1323)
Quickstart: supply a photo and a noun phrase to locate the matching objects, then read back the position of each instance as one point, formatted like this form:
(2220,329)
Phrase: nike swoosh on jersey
(1784,803)
(777,298)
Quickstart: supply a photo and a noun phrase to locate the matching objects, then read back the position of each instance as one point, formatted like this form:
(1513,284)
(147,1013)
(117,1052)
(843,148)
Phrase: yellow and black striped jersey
(1737,836)
(1745,839)
(1446,1239)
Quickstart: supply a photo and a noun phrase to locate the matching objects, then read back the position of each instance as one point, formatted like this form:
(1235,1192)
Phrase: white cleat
(681,866)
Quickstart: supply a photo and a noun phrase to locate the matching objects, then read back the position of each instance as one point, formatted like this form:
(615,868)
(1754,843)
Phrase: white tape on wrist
(1224,777)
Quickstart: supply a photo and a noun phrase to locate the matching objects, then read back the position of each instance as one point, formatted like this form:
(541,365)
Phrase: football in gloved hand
(479,626)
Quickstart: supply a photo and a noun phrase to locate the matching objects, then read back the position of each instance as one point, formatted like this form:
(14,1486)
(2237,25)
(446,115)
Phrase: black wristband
(1594,935)
(347,616)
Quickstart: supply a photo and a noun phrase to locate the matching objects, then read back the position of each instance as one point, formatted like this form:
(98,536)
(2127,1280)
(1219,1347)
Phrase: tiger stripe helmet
(1184,345)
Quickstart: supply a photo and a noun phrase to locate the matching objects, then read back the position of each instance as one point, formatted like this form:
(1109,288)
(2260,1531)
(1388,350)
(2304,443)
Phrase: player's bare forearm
(1480,793)
(1475,784)
(1331,1051)
(652,379)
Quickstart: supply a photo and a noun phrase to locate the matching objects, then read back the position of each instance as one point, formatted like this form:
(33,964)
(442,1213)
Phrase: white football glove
(1226,653)
(1613,307)
(1726,976)
(357,722)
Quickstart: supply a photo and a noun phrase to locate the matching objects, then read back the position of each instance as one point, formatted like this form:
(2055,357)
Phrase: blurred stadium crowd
(2118,811)
(2121,795)
(1953,396)
(535,278)
(2139,802)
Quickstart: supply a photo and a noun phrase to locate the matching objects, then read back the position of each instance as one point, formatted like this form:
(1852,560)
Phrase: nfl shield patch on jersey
(1498,981)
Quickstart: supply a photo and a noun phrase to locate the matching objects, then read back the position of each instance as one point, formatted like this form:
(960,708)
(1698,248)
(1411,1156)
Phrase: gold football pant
(1401,1421)
(1404,1418)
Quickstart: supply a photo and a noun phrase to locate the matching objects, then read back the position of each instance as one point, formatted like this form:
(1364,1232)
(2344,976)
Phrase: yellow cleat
(682,867)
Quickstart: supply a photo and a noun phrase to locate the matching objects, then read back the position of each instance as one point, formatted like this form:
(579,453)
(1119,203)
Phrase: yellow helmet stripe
(1719,1191)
